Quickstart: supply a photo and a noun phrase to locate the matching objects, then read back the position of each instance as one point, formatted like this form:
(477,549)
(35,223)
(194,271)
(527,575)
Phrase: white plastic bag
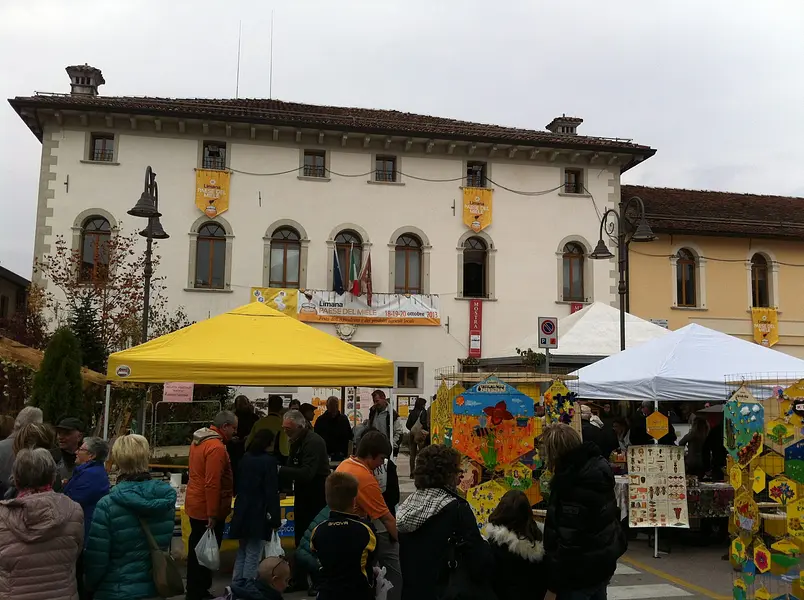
(207,551)
(381,584)
(273,547)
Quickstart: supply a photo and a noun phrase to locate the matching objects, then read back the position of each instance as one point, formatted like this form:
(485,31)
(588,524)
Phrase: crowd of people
(66,533)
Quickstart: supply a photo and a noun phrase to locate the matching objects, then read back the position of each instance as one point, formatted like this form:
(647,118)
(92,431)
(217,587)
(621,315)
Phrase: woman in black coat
(440,548)
(516,541)
(582,534)
(256,511)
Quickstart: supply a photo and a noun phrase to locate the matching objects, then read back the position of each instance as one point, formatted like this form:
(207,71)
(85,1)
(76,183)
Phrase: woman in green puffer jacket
(117,558)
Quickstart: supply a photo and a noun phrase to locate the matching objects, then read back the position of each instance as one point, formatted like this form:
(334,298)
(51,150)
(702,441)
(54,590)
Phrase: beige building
(718,255)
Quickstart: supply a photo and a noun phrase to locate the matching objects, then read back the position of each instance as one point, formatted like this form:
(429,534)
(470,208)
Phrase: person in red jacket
(209,495)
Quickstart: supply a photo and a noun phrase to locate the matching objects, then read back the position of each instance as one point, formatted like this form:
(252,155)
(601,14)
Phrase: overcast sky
(716,86)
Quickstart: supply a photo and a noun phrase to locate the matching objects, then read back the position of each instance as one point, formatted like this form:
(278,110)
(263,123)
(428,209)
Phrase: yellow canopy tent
(251,345)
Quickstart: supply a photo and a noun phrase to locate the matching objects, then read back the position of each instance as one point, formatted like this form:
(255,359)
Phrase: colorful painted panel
(494,399)
(493,445)
(743,427)
(484,499)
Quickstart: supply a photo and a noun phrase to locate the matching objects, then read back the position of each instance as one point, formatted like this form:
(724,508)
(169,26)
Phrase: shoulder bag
(166,575)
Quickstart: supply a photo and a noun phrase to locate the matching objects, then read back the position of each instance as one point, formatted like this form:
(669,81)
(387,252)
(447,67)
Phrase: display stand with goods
(764,439)
(491,420)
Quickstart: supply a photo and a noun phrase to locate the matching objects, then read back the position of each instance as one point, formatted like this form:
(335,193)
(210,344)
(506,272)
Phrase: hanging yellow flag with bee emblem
(476,208)
(212,192)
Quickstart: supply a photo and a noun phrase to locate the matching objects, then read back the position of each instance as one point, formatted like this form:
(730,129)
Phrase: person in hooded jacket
(209,495)
(437,526)
(117,558)
(582,534)
(41,533)
(256,510)
(516,541)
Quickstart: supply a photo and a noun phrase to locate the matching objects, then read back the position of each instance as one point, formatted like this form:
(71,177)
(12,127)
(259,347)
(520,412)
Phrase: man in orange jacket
(209,495)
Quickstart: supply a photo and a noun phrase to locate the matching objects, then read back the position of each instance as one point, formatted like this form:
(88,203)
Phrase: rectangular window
(214,156)
(476,172)
(385,168)
(407,377)
(573,181)
(101,147)
(315,163)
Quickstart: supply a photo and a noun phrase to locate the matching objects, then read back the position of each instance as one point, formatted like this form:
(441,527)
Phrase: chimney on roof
(564,124)
(84,80)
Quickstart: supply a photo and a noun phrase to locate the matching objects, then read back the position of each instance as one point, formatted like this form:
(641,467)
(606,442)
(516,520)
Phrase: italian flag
(354,275)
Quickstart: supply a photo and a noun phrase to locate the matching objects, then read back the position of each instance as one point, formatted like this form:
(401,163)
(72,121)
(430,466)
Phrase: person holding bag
(442,553)
(118,560)
(256,511)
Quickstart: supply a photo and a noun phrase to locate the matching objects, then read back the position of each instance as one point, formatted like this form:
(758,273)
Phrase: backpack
(165,573)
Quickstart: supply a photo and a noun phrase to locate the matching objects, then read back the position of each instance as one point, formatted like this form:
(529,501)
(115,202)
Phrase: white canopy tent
(691,364)
(595,331)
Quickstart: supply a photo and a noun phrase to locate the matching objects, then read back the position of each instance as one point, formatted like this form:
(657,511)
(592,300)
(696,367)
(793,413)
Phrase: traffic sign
(548,332)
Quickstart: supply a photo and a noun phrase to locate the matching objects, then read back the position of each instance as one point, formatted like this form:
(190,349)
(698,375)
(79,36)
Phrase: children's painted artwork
(743,427)
(782,490)
(795,519)
(559,406)
(518,477)
(746,514)
(794,461)
(493,423)
(470,476)
(484,499)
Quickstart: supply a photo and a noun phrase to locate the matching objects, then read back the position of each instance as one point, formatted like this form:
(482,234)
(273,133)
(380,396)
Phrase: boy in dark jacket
(344,545)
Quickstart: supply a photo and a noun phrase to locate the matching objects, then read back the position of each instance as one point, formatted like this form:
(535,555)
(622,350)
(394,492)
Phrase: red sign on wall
(576,306)
(475,327)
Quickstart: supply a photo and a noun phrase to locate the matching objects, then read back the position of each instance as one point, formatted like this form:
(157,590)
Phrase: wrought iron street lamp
(614,221)
(147,207)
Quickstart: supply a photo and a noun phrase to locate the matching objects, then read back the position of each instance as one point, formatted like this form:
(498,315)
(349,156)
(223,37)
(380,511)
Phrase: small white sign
(548,332)
(178,391)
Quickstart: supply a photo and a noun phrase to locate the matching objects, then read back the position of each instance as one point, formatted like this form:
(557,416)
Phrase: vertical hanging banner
(476,208)
(766,326)
(475,328)
(212,192)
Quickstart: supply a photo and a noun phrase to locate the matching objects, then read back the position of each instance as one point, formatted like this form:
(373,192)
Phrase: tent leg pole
(106,411)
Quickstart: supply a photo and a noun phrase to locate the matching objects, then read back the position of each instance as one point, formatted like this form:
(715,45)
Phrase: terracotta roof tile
(702,212)
(330,117)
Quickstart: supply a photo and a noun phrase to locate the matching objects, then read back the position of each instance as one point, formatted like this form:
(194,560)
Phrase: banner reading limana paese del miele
(319,306)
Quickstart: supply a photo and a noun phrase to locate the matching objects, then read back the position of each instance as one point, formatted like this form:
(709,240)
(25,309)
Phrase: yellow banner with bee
(476,208)
(212,192)
(766,326)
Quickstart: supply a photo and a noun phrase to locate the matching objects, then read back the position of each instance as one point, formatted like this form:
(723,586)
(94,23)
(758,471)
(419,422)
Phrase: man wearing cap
(71,433)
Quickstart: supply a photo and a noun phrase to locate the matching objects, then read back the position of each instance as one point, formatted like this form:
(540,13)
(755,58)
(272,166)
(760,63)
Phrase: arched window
(95,236)
(210,257)
(408,271)
(572,263)
(686,284)
(349,246)
(760,293)
(475,268)
(285,258)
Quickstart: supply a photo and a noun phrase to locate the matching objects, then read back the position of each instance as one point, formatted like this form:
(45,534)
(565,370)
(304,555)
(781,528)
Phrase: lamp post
(614,221)
(148,207)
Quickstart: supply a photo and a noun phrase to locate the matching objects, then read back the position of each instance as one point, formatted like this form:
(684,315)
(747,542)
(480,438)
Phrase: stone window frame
(331,247)
(773,276)
(426,249)
(304,243)
(700,276)
(588,270)
(227,272)
(78,228)
(88,148)
(490,264)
